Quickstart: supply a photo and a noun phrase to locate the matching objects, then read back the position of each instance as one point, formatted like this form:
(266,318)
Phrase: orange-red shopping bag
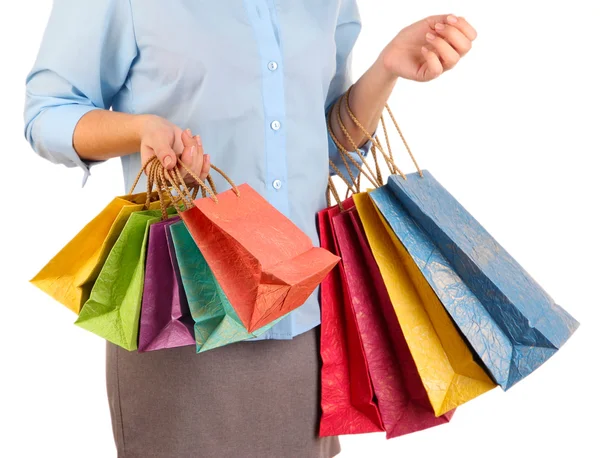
(264,263)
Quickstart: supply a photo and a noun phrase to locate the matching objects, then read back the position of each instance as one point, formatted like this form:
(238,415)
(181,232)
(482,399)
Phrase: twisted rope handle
(372,176)
(344,155)
(155,178)
(229,180)
(376,177)
(353,185)
(365,132)
(196,178)
(139,175)
(331,189)
(211,183)
(166,181)
(212,190)
(149,183)
(393,168)
(177,183)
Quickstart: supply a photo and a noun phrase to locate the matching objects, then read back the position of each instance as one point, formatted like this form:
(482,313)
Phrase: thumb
(166,156)
(433,20)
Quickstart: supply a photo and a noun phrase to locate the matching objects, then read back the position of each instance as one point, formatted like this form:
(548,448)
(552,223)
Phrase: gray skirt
(255,399)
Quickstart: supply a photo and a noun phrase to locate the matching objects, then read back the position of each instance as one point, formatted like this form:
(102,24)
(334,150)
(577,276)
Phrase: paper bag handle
(376,143)
(234,188)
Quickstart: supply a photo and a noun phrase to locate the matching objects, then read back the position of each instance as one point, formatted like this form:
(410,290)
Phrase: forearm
(367,100)
(104,134)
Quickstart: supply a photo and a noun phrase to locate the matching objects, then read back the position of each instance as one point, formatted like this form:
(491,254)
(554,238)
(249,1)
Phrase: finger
(204,170)
(178,143)
(433,67)
(146,153)
(454,37)
(199,142)
(166,155)
(187,157)
(461,24)
(190,158)
(199,158)
(187,139)
(205,166)
(447,54)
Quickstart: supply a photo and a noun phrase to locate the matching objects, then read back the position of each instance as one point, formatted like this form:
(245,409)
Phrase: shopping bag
(71,273)
(113,308)
(216,323)
(509,320)
(444,361)
(399,391)
(265,264)
(347,399)
(165,320)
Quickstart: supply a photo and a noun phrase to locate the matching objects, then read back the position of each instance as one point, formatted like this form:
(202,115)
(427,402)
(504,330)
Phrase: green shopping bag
(113,308)
(216,322)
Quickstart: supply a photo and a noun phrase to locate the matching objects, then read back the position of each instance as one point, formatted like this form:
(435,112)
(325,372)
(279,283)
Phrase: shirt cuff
(53,135)
(336,158)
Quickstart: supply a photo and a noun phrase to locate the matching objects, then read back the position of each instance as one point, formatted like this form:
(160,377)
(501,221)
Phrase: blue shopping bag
(509,320)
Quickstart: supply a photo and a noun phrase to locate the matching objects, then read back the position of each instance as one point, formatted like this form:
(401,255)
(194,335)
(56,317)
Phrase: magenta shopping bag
(400,394)
(165,318)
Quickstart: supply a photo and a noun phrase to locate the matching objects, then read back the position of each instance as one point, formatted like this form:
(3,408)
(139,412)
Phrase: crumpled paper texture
(398,388)
(165,320)
(113,308)
(509,320)
(347,399)
(215,321)
(265,264)
(443,360)
(71,273)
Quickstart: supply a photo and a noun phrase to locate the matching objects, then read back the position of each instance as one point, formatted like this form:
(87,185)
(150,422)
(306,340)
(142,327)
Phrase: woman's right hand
(166,141)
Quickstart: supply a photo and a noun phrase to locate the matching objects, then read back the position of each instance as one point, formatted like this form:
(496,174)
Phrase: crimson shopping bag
(347,400)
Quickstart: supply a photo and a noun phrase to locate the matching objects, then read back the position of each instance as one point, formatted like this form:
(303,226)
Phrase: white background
(509,131)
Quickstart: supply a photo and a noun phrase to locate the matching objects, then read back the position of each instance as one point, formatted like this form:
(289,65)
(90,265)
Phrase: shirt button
(272,66)
(277,184)
(275,125)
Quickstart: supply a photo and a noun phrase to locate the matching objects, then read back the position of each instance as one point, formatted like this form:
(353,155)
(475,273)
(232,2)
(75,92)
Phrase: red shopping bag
(401,396)
(264,263)
(347,399)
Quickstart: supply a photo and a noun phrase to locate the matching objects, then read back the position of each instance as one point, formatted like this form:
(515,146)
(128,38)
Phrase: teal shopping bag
(215,321)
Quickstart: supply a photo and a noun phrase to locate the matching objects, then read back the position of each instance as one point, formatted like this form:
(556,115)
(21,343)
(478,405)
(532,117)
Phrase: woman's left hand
(424,50)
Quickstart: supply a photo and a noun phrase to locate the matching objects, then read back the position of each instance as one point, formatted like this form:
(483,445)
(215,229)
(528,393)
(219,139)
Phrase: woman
(253,80)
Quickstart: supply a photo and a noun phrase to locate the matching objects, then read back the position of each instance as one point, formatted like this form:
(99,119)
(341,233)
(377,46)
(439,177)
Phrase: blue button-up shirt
(253,77)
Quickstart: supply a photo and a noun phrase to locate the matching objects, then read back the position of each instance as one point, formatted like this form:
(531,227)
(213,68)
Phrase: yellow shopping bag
(445,363)
(70,275)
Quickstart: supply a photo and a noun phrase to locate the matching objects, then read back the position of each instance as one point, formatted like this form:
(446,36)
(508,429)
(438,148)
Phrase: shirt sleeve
(83,62)
(346,33)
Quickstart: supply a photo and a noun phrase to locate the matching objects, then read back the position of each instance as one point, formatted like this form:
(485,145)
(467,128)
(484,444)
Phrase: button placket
(272,68)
